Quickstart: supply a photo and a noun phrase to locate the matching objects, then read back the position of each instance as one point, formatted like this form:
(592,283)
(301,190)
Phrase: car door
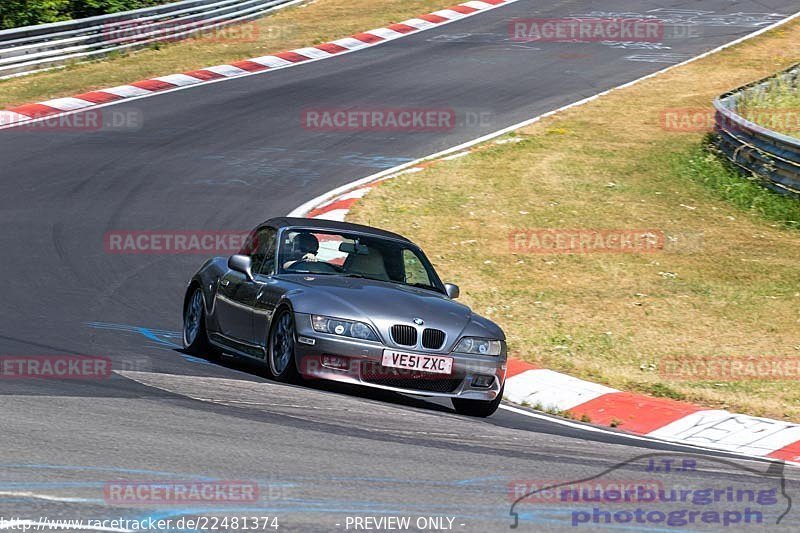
(236,294)
(234,300)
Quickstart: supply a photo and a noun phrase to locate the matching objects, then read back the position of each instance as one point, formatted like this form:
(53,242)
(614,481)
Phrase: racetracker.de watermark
(180,493)
(174,242)
(55,367)
(170,31)
(90,120)
(584,241)
(586,30)
(555,491)
(321,366)
(378,119)
(702,120)
(730,368)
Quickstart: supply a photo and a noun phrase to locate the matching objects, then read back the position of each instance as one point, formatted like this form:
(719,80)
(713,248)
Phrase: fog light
(483,382)
(306,340)
(336,362)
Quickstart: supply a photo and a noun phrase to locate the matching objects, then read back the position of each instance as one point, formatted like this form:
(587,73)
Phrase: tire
(281,365)
(195,336)
(477,408)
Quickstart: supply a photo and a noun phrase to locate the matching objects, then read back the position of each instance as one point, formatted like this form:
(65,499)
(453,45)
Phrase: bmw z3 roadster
(319,299)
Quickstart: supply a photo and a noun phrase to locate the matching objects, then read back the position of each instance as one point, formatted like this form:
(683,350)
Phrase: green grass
(659,390)
(704,165)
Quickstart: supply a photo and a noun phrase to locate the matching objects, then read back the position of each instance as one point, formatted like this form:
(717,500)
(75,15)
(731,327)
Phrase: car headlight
(474,345)
(344,328)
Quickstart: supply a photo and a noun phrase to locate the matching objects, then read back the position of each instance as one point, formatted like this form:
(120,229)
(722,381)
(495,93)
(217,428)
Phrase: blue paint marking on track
(161,337)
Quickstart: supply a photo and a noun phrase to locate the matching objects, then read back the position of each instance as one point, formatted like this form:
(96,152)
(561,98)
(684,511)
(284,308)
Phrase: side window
(263,251)
(414,269)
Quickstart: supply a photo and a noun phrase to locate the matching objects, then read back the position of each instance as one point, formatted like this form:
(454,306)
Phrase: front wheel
(280,349)
(195,336)
(477,408)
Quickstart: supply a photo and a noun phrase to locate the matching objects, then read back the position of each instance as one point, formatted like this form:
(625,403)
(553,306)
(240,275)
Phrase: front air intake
(404,335)
(433,339)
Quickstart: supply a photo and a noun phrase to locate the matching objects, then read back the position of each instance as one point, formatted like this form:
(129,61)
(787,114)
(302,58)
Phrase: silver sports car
(330,300)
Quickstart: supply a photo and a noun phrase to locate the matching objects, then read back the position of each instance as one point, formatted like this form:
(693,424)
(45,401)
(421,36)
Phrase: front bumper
(359,362)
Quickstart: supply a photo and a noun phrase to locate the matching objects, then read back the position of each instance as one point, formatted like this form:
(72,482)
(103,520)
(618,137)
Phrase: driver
(304,247)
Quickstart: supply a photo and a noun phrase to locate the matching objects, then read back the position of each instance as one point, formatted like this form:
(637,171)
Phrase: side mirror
(452,291)
(243,264)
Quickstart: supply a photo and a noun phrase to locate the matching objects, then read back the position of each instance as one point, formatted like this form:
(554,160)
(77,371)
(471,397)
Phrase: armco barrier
(35,48)
(772,157)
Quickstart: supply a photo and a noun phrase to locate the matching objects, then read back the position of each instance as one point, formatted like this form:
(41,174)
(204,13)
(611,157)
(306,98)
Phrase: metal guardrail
(769,156)
(35,48)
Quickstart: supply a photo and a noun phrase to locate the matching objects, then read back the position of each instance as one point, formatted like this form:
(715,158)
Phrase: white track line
(47,497)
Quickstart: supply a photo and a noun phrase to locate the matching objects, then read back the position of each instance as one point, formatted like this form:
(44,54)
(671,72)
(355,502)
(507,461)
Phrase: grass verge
(307,24)
(706,166)
(726,284)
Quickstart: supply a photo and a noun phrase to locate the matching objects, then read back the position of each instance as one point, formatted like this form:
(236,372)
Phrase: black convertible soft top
(318,223)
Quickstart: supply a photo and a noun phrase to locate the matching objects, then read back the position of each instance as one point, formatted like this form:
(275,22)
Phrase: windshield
(349,254)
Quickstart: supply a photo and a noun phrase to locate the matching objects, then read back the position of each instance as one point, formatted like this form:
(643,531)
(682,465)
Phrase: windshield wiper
(362,276)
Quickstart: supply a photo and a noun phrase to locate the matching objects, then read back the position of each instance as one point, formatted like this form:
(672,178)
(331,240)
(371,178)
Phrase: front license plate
(435,364)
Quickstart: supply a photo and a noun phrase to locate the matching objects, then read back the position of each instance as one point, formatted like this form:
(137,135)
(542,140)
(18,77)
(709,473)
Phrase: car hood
(385,304)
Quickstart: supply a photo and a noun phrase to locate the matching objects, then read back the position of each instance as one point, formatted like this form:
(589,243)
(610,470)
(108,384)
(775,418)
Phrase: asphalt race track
(225,157)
